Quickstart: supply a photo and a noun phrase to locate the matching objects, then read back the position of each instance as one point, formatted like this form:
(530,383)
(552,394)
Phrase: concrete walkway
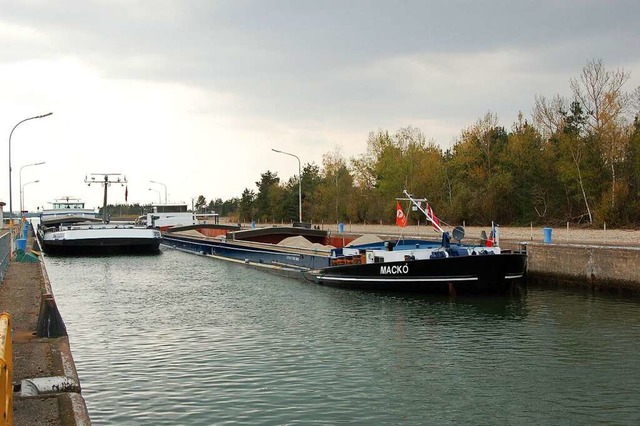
(40,352)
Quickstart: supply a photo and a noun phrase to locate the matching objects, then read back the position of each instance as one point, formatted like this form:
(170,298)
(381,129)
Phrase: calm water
(181,339)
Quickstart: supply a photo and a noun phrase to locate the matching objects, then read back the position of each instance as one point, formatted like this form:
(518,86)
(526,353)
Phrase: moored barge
(410,265)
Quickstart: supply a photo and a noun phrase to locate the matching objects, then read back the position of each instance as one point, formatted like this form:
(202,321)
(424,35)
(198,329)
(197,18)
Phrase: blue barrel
(21,244)
(547,235)
(341,228)
(253,224)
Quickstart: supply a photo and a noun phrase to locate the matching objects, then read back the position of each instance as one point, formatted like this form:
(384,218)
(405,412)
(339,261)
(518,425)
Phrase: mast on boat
(106,180)
(418,203)
(458,232)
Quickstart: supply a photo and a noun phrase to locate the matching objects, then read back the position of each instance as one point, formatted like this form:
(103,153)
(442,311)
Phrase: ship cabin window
(68,205)
(170,208)
(378,259)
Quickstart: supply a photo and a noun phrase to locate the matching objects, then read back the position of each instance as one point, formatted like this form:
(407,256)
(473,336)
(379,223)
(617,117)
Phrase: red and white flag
(401,219)
(434,220)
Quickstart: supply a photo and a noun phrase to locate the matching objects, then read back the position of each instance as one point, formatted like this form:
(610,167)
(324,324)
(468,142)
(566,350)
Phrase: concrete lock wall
(595,266)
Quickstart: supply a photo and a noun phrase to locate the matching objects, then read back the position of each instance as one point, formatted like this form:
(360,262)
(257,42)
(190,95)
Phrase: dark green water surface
(182,339)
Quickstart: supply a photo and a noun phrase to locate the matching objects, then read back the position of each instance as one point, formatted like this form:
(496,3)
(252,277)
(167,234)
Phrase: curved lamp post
(22,188)
(299,181)
(159,196)
(165,189)
(20,182)
(10,134)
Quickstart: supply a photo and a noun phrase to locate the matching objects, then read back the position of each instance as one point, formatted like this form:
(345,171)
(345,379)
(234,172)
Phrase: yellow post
(6,371)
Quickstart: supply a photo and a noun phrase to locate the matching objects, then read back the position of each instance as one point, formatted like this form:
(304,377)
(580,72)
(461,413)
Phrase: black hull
(482,274)
(101,247)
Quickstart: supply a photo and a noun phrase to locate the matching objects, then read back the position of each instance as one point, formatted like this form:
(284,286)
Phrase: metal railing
(5,253)
(6,371)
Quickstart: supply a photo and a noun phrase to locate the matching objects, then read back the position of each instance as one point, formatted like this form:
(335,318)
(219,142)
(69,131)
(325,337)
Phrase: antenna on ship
(106,180)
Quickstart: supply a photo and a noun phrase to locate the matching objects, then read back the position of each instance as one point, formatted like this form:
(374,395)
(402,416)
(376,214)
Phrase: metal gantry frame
(106,180)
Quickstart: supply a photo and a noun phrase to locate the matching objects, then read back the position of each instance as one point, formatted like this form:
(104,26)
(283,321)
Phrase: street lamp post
(299,181)
(159,196)
(11,134)
(165,189)
(22,187)
(20,182)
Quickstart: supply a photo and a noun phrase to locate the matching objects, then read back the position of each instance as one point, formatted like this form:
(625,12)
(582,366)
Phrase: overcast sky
(195,94)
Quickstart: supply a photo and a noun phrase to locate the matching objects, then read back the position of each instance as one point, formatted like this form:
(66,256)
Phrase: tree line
(577,160)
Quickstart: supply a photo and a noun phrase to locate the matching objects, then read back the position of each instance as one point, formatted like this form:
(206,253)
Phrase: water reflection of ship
(437,310)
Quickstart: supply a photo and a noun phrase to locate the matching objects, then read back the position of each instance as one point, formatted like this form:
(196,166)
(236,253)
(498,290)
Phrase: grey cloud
(282,57)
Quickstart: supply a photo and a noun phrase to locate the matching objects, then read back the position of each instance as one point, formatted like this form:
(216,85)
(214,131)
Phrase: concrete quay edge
(585,264)
(596,267)
(41,353)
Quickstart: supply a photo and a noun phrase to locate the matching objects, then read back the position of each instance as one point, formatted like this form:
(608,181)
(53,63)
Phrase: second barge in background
(70,229)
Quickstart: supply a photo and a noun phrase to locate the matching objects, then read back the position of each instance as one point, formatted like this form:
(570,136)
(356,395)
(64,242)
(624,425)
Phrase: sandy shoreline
(535,234)
(623,237)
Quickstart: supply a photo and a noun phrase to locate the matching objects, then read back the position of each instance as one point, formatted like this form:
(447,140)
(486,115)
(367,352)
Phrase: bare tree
(635,102)
(595,85)
(482,132)
(600,92)
(547,114)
